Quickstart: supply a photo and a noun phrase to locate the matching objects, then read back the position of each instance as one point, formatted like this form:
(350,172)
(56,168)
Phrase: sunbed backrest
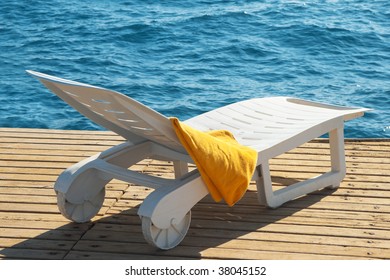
(114,111)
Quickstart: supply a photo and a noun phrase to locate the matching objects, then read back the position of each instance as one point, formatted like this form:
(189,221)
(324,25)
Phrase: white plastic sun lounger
(271,126)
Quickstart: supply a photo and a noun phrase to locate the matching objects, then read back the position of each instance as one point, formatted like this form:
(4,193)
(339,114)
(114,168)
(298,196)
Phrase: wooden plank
(61,134)
(31,216)
(90,255)
(48,191)
(114,185)
(53,234)
(36,148)
(196,251)
(43,164)
(26,184)
(26,254)
(28,207)
(39,158)
(39,223)
(48,152)
(44,208)
(28,177)
(55,131)
(32,203)
(34,243)
(4,198)
(49,141)
(31,170)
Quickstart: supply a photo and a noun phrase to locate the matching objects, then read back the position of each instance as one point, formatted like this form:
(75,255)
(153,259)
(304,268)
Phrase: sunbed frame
(271,126)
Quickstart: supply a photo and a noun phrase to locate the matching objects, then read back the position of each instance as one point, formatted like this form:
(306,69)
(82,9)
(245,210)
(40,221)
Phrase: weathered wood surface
(352,222)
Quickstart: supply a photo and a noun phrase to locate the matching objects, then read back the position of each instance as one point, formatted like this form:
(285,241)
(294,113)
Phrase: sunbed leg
(264,186)
(330,179)
(337,153)
(180,168)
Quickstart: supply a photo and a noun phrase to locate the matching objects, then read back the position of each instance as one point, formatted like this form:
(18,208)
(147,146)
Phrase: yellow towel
(225,165)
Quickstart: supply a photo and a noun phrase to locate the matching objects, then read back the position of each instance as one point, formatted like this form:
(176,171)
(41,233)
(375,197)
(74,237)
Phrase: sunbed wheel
(166,238)
(82,212)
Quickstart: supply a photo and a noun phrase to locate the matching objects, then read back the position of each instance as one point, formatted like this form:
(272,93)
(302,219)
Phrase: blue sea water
(183,58)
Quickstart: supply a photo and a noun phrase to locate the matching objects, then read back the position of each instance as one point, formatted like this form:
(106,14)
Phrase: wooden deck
(352,222)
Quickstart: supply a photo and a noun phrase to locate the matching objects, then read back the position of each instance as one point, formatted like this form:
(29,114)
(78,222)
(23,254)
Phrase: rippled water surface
(183,58)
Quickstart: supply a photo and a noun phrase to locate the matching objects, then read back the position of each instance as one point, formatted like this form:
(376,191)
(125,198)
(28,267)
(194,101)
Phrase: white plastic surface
(268,123)
(114,111)
(80,212)
(271,126)
(166,238)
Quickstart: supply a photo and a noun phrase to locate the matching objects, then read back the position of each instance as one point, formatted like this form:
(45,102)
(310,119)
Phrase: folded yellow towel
(225,165)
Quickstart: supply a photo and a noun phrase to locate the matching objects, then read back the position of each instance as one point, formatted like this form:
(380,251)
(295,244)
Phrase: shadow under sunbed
(216,231)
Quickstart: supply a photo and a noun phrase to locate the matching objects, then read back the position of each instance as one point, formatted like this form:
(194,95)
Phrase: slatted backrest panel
(114,111)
